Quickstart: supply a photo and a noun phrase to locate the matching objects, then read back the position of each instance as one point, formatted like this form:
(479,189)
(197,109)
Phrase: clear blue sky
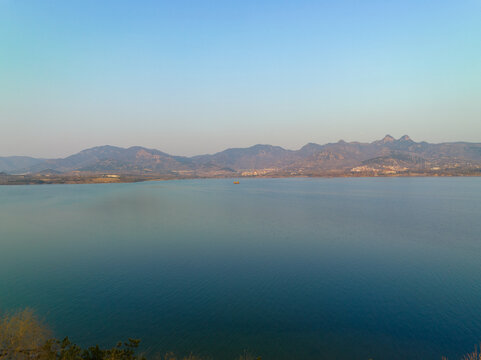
(197,76)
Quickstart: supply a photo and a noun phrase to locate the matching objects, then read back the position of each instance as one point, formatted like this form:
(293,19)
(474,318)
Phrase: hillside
(14,163)
(385,156)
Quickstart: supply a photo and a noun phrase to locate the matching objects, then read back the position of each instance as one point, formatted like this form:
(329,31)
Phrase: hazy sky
(197,76)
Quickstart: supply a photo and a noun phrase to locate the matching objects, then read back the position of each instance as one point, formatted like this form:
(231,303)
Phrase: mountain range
(384,156)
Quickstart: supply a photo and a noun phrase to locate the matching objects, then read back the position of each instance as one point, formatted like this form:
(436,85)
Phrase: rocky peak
(385,140)
(405,138)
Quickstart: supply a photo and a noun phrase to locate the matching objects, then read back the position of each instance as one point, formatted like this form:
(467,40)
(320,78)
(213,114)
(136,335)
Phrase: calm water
(287,268)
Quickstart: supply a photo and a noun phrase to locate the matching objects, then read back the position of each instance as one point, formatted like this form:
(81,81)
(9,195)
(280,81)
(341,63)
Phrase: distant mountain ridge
(385,155)
(14,163)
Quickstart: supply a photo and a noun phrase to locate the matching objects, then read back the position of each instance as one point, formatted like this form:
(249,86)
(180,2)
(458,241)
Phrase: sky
(198,76)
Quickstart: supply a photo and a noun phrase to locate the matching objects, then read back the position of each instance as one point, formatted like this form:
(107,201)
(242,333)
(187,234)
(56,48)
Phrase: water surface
(382,268)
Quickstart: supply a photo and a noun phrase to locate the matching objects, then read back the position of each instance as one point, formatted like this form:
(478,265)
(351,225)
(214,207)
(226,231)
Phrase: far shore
(34,179)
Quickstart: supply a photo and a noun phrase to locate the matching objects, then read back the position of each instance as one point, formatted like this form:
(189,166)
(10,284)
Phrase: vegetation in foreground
(23,336)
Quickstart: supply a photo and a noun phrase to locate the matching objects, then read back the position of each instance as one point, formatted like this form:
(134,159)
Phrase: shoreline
(9,180)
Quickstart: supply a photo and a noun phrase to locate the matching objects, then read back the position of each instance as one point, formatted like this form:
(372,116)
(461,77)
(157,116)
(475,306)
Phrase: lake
(381,268)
